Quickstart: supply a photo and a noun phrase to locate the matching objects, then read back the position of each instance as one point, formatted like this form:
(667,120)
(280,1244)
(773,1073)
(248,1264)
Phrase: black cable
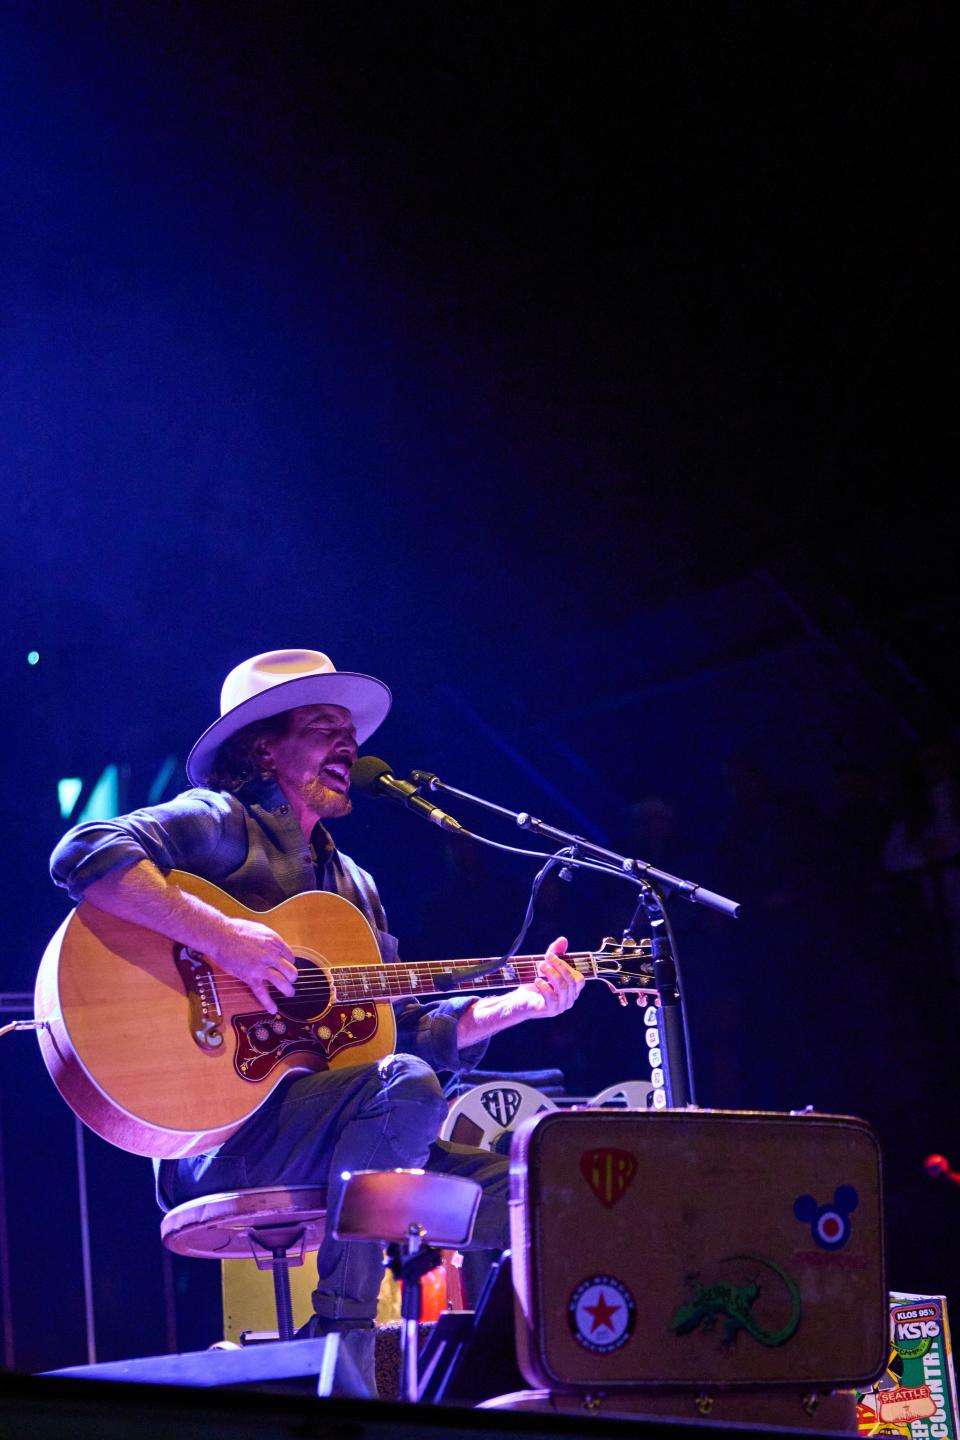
(599,865)
(560,858)
(553,860)
(568,856)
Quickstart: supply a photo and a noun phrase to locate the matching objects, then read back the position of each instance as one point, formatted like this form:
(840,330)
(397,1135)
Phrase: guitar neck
(440,977)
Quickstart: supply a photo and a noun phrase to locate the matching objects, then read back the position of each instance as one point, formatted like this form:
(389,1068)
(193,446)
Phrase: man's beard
(328,804)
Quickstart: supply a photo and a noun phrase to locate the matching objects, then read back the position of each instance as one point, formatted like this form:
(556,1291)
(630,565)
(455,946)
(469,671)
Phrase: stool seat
(221,1227)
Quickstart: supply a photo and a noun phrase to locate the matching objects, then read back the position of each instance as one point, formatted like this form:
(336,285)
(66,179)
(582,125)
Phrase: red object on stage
(938,1168)
(441,1289)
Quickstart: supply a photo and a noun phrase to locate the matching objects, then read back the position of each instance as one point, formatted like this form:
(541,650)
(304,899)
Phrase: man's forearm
(554,990)
(143,894)
(489,1015)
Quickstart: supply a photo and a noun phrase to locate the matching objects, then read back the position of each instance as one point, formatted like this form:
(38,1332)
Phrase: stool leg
(281,1291)
(411,1308)
(409,1370)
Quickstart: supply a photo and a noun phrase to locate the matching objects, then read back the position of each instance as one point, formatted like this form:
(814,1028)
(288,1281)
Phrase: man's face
(312,760)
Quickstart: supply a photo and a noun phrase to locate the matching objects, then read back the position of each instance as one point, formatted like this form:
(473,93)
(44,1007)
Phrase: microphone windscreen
(365,772)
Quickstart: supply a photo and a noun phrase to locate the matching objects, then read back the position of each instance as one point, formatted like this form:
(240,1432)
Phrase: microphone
(374,777)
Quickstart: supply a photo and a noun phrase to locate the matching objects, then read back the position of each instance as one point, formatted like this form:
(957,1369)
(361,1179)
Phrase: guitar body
(164,1054)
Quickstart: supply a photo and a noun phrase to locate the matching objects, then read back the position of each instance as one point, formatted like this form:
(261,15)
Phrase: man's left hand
(555,989)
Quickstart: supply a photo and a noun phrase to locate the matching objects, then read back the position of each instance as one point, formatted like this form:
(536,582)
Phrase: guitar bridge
(206,1017)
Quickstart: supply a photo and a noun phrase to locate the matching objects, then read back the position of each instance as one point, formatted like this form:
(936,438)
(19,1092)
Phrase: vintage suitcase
(697,1248)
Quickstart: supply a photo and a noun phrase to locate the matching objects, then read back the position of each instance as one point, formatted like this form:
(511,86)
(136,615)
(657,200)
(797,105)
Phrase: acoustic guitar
(163,1053)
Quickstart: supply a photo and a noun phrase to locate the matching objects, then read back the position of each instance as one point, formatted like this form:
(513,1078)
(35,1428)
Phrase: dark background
(584,374)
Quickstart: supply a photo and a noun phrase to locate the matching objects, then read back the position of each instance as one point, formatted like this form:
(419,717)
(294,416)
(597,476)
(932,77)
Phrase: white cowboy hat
(280,680)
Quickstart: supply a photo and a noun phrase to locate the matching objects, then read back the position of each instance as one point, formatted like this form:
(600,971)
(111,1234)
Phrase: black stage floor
(64,1408)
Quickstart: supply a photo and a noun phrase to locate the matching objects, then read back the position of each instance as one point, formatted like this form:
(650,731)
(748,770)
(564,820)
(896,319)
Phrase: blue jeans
(314,1127)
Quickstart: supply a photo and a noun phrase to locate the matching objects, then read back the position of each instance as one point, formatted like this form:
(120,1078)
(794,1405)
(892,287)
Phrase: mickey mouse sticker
(830,1223)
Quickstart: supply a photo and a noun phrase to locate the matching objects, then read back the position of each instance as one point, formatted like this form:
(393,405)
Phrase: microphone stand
(641,869)
(678,1079)
(677,1071)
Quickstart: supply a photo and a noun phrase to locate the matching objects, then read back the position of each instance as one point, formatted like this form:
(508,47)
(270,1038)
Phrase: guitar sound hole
(313,993)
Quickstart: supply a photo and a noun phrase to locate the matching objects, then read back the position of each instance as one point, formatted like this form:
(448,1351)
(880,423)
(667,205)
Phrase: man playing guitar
(268,774)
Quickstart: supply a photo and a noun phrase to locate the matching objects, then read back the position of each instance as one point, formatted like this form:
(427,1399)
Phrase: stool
(267,1224)
(412,1213)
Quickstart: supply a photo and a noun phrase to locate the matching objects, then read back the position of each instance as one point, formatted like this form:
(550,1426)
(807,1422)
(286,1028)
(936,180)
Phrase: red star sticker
(601,1313)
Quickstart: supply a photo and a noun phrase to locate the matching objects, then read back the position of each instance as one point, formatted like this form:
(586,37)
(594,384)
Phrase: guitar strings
(398,972)
(406,972)
(401,972)
(349,979)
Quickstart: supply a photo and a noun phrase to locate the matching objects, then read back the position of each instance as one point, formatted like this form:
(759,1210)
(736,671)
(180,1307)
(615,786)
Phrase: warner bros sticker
(608,1172)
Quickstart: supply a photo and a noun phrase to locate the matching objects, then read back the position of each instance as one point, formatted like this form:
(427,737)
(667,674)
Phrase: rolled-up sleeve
(182,834)
(430,1031)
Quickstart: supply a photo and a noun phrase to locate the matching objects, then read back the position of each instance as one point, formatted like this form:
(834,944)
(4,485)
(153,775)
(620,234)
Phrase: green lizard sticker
(734,1304)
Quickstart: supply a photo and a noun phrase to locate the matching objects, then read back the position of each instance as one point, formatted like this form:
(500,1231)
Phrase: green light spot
(68,793)
(104,797)
(164,776)
(33,657)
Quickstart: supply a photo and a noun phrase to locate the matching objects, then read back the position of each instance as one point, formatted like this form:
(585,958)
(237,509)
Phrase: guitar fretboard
(433,977)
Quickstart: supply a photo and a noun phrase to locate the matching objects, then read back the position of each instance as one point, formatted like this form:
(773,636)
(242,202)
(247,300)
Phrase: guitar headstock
(626,968)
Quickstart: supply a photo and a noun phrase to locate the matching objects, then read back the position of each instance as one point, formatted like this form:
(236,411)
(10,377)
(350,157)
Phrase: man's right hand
(258,956)
(247,949)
